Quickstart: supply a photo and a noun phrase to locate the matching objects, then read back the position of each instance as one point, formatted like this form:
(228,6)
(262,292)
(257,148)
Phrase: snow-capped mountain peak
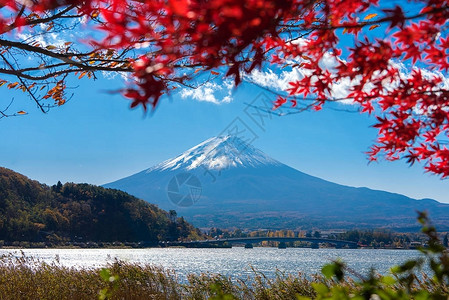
(217,153)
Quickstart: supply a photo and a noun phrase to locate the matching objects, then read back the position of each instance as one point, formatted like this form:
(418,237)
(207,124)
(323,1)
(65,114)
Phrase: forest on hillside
(34,212)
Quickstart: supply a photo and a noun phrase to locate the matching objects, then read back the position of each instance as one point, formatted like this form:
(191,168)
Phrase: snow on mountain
(217,153)
(240,186)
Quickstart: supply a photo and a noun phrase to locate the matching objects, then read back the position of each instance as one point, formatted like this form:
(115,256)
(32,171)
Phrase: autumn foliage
(394,57)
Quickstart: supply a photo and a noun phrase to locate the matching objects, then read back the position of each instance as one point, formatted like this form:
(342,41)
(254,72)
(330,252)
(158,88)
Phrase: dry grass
(27,278)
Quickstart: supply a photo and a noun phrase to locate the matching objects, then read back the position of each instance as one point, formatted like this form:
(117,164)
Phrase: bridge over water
(256,240)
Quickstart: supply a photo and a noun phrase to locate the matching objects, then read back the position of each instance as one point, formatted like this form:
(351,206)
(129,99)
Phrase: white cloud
(278,81)
(46,39)
(210,92)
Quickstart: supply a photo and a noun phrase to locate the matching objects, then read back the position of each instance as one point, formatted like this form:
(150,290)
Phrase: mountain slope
(241,186)
(31,211)
(216,154)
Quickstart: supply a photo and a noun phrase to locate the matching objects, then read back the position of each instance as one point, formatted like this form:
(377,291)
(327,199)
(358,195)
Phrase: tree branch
(24,84)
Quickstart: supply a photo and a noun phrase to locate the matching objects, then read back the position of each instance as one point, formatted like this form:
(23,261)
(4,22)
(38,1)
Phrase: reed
(28,278)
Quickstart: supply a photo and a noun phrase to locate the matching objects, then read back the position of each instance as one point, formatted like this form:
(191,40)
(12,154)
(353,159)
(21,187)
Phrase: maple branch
(301,28)
(281,114)
(34,49)
(83,65)
(3,112)
(59,15)
(24,84)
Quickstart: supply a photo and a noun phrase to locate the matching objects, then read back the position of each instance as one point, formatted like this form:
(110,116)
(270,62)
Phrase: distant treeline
(370,238)
(34,212)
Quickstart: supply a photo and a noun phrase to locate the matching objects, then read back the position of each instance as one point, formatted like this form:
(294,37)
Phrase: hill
(224,182)
(35,212)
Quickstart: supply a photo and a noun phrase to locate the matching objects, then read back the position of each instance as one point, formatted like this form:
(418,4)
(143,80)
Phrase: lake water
(234,262)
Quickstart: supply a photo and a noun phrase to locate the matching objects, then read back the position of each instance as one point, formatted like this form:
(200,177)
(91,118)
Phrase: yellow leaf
(21,112)
(345,30)
(12,85)
(374,26)
(2,82)
(50,47)
(214,73)
(297,65)
(82,75)
(369,17)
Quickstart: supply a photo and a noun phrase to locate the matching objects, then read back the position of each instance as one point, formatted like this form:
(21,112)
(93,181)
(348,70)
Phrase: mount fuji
(226,182)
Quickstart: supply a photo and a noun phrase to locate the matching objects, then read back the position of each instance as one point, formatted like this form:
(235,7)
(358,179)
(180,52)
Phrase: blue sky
(96,138)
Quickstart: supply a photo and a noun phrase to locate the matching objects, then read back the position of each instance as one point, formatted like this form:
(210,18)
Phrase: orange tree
(162,44)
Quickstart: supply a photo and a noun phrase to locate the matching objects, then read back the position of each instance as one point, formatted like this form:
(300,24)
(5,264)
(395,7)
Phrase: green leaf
(328,270)
(103,294)
(320,288)
(422,295)
(105,274)
(334,269)
(407,266)
(388,280)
